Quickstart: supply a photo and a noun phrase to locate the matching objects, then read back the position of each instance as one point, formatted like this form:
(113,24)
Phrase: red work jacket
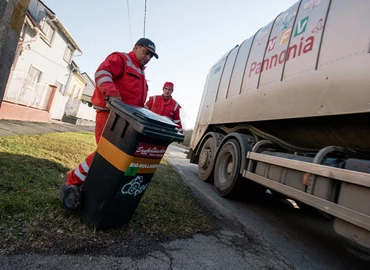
(166,107)
(120,75)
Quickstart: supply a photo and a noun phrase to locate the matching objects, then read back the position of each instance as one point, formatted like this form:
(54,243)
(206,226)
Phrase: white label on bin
(150,150)
(134,187)
(144,166)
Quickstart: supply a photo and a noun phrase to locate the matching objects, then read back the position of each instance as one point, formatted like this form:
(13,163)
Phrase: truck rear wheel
(227,179)
(206,160)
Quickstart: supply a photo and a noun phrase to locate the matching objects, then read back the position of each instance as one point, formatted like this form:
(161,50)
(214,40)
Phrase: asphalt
(217,250)
(16,127)
(234,245)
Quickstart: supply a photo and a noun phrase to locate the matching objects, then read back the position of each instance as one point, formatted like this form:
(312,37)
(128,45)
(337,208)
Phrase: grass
(32,218)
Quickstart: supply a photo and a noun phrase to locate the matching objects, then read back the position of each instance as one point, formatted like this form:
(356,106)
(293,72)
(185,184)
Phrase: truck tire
(228,180)
(206,160)
(227,177)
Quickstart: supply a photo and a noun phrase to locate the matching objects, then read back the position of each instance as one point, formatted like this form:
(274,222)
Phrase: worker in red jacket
(120,76)
(165,105)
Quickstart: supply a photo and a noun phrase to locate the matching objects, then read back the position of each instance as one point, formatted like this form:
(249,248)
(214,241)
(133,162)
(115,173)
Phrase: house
(44,77)
(76,83)
(78,109)
(89,89)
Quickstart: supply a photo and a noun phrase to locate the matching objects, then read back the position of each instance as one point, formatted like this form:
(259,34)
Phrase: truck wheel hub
(230,167)
(204,157)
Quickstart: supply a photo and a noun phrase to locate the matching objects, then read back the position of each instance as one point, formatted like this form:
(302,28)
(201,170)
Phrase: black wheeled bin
(131,147)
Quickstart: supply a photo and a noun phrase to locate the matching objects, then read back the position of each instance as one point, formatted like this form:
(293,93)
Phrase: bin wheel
(206,160)
(72,198)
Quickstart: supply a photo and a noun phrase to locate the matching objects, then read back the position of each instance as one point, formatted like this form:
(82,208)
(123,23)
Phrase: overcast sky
(190,36)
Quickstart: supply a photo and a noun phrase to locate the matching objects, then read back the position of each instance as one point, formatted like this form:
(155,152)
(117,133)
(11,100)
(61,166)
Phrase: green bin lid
(147,122)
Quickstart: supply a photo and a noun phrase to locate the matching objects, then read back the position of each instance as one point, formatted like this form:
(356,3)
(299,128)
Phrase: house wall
(48,58)
(90,85)
(39,101)
(15,112)
(59,106)
(75,87)
(89,88)
(86,113)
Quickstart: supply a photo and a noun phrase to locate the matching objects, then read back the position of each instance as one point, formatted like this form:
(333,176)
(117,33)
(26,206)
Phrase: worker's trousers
(78,175)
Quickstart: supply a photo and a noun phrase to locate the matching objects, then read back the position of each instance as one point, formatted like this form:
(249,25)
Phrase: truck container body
(289,110)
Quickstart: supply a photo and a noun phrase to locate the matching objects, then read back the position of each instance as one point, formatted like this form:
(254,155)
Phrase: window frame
(68,54)
(47,27)
(32,76)
(59,86)
(79,93)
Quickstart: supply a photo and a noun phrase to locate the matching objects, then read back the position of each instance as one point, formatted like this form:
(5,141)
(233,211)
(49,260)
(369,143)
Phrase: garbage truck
(288,111)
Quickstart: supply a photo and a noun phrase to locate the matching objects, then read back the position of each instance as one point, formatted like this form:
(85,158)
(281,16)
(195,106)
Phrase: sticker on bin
(134,168)
(131,171)
(134,187)
(130,165)
(150,150)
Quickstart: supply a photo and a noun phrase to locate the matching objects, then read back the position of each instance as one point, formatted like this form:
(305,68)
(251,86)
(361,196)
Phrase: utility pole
(12,14)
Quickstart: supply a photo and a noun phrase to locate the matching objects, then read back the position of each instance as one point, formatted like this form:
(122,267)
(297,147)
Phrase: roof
(68,35)
(86,76)
(33,24)
(55,20)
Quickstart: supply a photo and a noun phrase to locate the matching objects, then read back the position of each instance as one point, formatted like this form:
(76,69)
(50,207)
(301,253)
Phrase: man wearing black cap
(120,76)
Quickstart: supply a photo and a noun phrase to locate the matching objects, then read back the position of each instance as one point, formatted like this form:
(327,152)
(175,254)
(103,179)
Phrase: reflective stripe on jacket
(120,75)
(165,107)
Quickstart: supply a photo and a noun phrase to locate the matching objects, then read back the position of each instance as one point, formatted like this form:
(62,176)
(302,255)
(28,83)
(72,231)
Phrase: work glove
(109,99)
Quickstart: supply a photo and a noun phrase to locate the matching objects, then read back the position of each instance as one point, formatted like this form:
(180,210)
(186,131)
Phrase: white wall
(59,105)
(47,58)
(85,112)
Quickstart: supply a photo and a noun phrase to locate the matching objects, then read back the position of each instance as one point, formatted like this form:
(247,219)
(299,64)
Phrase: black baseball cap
(147,43)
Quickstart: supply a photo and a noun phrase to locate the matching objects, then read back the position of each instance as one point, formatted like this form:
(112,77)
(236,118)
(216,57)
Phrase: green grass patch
(33,219)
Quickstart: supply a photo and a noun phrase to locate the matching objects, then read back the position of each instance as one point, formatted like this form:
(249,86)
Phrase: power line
(129,22)
(144,17)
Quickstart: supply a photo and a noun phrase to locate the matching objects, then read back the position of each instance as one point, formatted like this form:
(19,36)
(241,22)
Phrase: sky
(190,37)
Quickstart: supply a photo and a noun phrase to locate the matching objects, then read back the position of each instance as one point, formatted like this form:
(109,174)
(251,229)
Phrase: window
(34,75)
(72,93)
(48,30)
(68,54)
(33,78)
(59,86)
(79,93)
